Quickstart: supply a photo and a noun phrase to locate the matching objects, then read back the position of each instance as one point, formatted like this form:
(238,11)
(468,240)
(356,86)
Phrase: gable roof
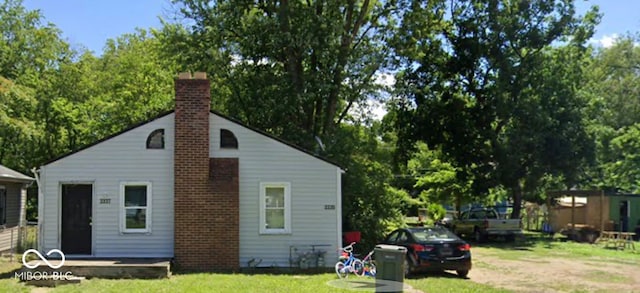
(7,174)
(212,112)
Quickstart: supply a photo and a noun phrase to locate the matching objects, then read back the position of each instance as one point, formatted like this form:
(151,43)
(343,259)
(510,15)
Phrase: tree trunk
(517,201)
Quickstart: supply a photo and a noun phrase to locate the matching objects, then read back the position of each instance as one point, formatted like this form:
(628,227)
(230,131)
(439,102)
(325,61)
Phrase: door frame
(93,218)
(626,214)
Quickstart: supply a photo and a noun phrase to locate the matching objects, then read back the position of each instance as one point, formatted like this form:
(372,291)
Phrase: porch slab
(127,268)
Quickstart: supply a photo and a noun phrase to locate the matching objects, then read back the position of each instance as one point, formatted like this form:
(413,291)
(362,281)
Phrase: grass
(531,249)
(8,283)
(249,283)
(537,246)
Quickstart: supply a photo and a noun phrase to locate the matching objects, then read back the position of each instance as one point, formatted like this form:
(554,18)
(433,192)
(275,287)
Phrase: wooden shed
(596,209)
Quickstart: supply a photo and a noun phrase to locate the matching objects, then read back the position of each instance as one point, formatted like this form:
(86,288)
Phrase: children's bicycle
(348,263)
(369,266)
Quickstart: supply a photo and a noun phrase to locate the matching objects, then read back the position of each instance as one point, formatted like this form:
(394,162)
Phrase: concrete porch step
(112,268)
(50,281)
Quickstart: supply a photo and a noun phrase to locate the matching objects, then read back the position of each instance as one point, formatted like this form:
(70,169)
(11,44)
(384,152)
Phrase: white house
(192,185)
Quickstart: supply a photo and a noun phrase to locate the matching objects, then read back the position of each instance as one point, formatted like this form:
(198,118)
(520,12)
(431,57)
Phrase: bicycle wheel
(371,268)
(341,271)
(358,267)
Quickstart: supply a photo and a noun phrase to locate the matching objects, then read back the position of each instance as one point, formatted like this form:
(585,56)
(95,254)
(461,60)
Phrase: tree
(17,128)
(294,68)
(30,56)
(369,203)
(612,93)
(300,70)
(488,82)
(436,179)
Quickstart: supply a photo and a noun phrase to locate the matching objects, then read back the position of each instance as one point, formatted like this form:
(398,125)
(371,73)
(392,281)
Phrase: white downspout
(36,175)
(339,205)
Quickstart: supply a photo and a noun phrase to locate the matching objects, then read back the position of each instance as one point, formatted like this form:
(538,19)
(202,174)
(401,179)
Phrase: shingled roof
(7,174)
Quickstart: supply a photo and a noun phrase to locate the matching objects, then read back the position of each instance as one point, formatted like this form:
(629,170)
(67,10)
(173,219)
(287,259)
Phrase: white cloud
(377,109)
(384,79)
(605,41)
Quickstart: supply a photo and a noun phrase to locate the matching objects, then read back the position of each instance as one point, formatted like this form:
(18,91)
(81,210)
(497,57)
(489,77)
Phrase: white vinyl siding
(14,200)
(313,184)
(275,208)
(122,158)
(135,207)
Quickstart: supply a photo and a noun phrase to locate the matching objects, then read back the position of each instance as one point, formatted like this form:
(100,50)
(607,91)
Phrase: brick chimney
(206,206)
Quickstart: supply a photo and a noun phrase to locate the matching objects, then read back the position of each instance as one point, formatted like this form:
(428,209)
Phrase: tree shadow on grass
(259,271)
(524,242)
(435,274)
(10,274)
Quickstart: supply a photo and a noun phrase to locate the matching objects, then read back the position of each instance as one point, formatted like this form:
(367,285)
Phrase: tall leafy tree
(612,91)
(294,68)
(300,70)
(485,83)
(31,54)
(18,131)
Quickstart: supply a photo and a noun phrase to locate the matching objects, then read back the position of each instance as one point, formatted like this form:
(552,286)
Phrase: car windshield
(429,234)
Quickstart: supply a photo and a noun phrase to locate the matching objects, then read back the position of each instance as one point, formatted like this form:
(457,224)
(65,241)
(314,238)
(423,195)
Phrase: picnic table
(616,239)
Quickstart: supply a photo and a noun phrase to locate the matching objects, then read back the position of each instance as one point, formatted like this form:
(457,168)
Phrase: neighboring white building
(262,198)
(13,200)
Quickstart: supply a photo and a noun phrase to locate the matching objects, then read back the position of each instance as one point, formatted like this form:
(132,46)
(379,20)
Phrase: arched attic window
(228,139)
(155,140)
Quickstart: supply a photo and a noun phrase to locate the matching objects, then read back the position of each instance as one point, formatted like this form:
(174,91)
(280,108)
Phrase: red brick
(206,197)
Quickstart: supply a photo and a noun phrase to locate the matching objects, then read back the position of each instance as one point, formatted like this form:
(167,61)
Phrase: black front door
(76,218)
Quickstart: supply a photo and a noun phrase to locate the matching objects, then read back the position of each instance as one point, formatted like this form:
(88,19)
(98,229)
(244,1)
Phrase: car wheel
(408,266)
(462,273)
(477,236)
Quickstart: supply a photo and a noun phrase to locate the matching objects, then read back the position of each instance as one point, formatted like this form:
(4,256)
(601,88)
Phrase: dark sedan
(432,249)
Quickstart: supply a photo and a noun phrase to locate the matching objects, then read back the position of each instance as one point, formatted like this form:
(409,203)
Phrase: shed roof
(7,174)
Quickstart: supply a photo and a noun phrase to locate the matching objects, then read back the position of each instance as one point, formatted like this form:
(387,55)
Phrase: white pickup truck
(482,223)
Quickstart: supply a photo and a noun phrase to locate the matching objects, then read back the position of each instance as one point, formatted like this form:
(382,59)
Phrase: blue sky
(90,23)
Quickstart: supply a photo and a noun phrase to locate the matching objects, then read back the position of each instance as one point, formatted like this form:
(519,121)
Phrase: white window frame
(123,213)
(263,207)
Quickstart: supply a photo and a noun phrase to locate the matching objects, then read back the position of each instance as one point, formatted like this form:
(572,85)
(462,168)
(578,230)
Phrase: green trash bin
(389,267)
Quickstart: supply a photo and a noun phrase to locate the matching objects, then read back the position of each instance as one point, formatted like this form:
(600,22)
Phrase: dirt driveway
(546,274)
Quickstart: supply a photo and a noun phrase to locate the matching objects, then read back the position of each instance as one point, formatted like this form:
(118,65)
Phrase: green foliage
(494,99)
(311,63)
(17,105)
(611,83)
(623,170)
(491,86)
(369,203)
(436,179)
(436,211)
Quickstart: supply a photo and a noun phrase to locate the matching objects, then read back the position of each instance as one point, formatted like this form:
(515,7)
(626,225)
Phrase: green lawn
(535,246)
(247,283)
(527,250)
(210,282)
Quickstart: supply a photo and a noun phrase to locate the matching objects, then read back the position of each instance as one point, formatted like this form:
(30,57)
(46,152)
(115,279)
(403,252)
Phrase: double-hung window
(275,208)
(135,205)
